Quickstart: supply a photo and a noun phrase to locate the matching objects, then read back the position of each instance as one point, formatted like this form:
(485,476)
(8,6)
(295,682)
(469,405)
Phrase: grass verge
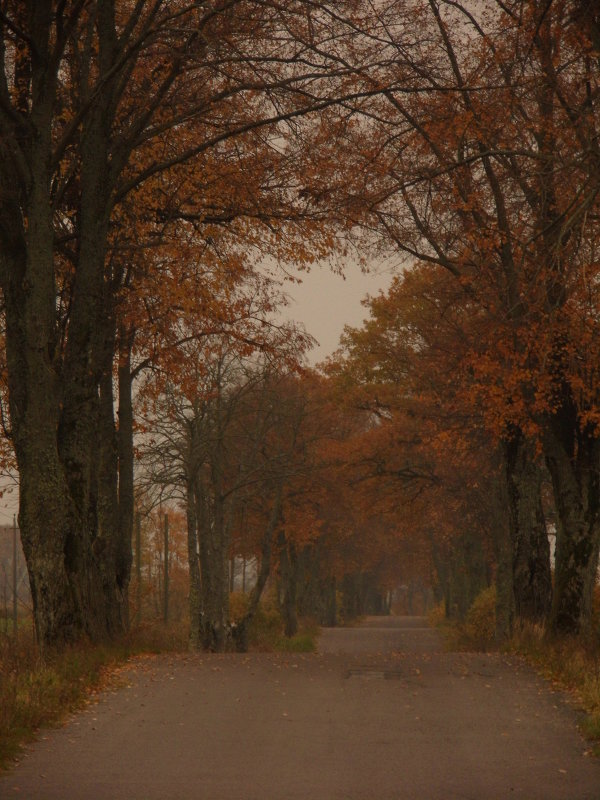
(39,692)
(571,664)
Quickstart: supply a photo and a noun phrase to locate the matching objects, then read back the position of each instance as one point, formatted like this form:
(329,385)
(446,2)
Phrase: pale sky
(324,302)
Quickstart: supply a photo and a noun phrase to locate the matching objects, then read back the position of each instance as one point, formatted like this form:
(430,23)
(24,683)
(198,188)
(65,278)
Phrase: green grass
(305,641)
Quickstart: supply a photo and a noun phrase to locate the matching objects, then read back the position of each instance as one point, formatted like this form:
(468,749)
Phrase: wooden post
(138,568)
(166,566)
(15,575)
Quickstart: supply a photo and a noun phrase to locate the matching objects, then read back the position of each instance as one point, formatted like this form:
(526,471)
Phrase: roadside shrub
(238,606)
(480,622)
(156,637)
(265,633)
(266,627)
(437,615)
(300,643)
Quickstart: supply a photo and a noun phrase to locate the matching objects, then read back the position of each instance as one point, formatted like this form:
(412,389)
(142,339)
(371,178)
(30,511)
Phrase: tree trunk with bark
(531,575)
(195,601)
(574,467)
(316,588)
(215,632)
(288,575)
(240,632)
(51,523)
(104,506)
(126,498)
(505,596)
(58,380)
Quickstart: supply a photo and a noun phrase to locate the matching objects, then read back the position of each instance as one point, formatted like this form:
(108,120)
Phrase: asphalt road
(381,713)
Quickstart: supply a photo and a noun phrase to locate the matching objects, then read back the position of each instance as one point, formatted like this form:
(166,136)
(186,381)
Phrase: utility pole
(15,599)
(166,565)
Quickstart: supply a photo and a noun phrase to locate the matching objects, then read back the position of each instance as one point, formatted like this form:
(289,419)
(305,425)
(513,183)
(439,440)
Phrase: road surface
(381,713)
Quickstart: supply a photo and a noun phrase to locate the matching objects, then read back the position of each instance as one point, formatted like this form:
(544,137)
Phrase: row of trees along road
(481,164)
(251,449)
(146,162)
(152,152)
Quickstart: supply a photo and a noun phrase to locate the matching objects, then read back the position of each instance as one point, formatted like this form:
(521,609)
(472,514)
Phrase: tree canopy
(156,155)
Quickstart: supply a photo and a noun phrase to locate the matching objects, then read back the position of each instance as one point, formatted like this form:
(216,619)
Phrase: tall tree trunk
(84,380)
(503,550)
(88,360)
(505,597)
(468,573)
(441,568)
(112,544)
(55,375)
(195,601)
(47,516)
(316,596)
(531,574)
(288,573)
(126,499)
(331,605)
(105,543)
(215,579)
(240,633)
(574,470)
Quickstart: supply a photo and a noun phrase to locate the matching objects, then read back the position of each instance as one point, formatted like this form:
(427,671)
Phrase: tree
(428,459)
(97,101)
(480,155)
(215,442)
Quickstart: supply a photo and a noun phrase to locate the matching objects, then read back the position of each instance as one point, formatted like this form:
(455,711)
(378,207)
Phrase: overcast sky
(324,302)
